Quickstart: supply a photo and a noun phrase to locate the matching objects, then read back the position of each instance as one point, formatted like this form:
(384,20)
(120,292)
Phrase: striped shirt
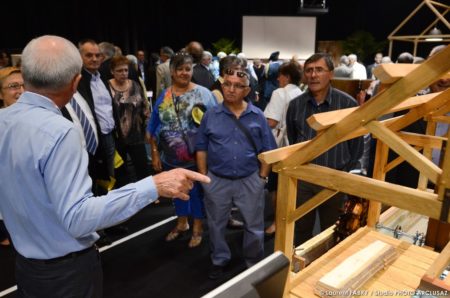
(344,156)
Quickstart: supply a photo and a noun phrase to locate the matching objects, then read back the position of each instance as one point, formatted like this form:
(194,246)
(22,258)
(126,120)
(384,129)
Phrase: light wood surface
(401,277)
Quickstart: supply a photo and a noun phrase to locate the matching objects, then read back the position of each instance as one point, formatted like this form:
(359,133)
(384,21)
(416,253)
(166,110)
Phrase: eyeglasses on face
(238,73)
(228,85)
(14,86)
(318,70)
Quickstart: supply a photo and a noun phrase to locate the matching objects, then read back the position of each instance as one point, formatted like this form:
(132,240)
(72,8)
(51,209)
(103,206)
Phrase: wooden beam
(379,173)
(442,119)
(421,140)
(417,160)
(321,121)
(427,152)
(434,105)
(312,203)
(424,75)
(417,201)
(390,73)
(440,263)
(286,202)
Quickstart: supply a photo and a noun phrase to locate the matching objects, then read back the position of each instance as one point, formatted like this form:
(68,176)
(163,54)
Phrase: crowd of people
(86,127)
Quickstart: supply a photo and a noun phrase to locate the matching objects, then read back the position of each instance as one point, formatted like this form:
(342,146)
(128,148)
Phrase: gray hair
(50,62)
(107,49)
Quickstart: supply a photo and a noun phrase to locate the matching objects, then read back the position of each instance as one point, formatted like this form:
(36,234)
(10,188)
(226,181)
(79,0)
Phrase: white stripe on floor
(115,243)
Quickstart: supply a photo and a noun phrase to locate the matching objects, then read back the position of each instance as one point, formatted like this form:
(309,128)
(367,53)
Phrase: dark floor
(148,266)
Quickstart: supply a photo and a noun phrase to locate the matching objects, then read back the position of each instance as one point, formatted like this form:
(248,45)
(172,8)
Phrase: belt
(229,177)
(71,255)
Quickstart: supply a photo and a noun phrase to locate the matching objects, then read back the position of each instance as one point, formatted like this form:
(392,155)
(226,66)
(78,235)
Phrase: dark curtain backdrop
(149,25)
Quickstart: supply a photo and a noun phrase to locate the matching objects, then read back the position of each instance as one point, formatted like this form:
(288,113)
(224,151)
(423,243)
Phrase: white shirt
(277,107)
(76,121)
(359,71)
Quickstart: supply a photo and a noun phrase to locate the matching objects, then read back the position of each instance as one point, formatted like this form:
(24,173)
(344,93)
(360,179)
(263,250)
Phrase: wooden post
(380,162)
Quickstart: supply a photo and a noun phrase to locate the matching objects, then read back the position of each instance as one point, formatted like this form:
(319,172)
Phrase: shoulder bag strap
(246,132)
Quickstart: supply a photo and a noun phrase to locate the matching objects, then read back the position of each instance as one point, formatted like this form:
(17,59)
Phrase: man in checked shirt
(320,97)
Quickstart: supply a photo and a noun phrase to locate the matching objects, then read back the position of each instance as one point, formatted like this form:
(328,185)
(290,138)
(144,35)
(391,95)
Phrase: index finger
(197,176)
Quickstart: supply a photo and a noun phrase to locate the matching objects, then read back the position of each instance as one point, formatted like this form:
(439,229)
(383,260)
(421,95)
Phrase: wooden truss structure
(403,83)
(439,10)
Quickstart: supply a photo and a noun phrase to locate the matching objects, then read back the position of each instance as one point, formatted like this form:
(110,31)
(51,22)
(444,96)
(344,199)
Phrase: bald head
(50,63)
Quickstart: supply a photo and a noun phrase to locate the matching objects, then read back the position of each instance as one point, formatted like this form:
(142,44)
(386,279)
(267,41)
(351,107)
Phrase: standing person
(163,79)
(289,76)
(53,200)
(229,158)
(172,122)
(92,88)
(11,87)
(11,83)
(320,97)
(133,112)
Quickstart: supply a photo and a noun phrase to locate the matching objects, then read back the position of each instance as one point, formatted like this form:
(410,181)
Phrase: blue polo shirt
(229,152)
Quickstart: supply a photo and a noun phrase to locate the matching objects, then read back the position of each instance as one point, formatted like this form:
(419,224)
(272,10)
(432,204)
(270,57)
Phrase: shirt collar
(250,108)
(36,99)
(328,98)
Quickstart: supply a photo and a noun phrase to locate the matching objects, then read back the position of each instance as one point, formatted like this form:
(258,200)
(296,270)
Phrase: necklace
(121,88)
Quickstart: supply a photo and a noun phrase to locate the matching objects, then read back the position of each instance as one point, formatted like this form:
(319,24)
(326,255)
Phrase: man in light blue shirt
(47,202)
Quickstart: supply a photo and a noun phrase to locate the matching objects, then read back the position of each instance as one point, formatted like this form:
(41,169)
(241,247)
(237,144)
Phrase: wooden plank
(424,75)
(442,119)
(390,73)
(312,203)
(416,139)
(287,194)
(274,156)
(424,165)
(330,255)
(427,152)
(441,262)
(379,173)
(441,99)
(321,121)
(417,201)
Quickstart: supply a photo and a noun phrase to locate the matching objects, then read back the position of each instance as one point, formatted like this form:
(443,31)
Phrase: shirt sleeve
(202,138)
(78,210)
(274,109)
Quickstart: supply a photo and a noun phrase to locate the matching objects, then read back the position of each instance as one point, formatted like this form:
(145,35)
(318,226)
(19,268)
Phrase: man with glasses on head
(230,137)
(320,97)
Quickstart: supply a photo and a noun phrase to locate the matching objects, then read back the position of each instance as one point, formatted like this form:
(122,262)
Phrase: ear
(247,91)
(75,82)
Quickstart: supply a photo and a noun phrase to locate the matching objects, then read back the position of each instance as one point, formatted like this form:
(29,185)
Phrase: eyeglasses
(238,73)
(228,85)
(317,70)
(14,86)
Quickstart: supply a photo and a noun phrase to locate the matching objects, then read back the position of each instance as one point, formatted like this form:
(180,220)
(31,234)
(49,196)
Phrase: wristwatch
(266,179)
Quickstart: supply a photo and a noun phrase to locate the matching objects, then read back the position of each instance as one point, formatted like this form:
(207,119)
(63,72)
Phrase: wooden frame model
(404,81)
(434,6)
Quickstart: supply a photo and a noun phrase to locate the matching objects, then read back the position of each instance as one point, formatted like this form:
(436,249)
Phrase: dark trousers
(75,276)
(328,211)
(138,155)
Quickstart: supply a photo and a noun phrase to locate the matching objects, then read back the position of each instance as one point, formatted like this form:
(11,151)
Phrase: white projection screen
(262,35)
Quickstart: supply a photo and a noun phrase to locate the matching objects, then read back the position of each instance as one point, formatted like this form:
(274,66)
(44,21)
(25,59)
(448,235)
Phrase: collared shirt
(46,197)
(229,152)
(343,156)
(103,104)
(76,121)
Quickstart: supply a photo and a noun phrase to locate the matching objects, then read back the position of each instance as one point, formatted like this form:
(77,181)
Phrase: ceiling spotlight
(434,31)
